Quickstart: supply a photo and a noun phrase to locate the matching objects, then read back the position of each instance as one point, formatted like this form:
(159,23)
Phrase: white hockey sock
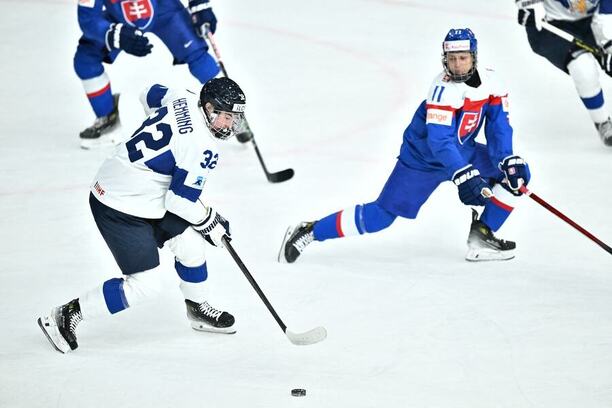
(584,70)
(118,294)
(196,292)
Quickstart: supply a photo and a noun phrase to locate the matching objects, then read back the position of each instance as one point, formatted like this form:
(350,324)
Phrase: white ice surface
(331,86)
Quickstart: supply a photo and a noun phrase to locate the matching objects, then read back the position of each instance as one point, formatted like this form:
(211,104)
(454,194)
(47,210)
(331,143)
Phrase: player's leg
(189,248)
(88,66)
(403,195)
(483,245)
(132,242)
(582,67)
(177,33)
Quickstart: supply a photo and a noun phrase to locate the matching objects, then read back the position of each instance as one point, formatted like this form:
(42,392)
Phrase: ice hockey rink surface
(330,85)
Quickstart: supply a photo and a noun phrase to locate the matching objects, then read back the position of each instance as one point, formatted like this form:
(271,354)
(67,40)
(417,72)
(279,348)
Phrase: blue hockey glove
(202,17)
(531,12)
(214,228)
(473,190)
(129,39)
(517,173)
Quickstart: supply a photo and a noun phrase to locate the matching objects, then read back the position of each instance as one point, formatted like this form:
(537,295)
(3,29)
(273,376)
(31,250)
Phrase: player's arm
(498,130)
(183,196)
(92,21)
(155,96)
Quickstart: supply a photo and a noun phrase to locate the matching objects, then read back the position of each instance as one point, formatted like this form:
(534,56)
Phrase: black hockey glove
(605,58)
(214,228)
(202,17)
(129,39)
(473,190)
(531,13)
(517,173)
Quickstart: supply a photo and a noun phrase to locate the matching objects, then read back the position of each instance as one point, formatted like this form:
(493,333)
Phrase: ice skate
(204,317)
(60,326)
(99,134)
(296,239)
(484,246)
(605,131)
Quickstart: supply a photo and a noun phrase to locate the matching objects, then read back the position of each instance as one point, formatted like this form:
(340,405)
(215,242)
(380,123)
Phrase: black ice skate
(204,317)
(98,133)
(296,240)
(60,326)
(605,131)
(484,246)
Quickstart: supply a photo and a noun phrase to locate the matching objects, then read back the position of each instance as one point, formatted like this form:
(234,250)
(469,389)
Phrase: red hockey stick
(559,214)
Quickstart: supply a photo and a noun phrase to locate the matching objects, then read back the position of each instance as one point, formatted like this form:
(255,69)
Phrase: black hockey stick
(565,218)
(277,177)
(570,38)
(301,339)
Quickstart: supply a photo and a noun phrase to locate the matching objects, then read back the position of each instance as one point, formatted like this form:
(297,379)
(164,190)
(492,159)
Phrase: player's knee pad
(584,70)
(87,66)
(376,218)
(202,65)
(189,248)
(142,285)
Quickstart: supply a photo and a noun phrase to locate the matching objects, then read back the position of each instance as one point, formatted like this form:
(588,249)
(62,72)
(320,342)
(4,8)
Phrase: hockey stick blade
(307,338)
(280,176)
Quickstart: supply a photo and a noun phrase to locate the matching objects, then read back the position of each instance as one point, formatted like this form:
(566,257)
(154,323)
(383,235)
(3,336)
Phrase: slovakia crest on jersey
(468,125)
(138,13)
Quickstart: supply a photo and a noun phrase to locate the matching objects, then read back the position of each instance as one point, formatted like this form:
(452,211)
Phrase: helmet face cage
(223,103)
(460,40)
(233,123)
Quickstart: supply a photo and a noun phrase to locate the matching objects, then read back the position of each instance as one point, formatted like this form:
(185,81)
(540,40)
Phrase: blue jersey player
(439,145)
(112,26)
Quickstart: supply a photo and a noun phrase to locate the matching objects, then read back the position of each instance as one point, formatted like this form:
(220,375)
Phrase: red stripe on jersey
(100,92)
(473,106)
(498,203)
(441,107)
(339,224)
(496,100)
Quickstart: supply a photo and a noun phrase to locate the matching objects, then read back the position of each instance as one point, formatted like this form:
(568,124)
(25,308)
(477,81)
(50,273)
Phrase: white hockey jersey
(570,10)
(165,164)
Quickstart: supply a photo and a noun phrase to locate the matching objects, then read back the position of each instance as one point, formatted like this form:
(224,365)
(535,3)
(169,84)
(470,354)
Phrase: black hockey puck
(298,392)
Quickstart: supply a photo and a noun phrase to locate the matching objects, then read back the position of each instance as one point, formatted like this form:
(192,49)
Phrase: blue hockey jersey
(95,16)
(441,135)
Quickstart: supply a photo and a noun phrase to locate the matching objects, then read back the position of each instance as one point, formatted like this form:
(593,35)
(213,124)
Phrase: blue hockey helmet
(459,40)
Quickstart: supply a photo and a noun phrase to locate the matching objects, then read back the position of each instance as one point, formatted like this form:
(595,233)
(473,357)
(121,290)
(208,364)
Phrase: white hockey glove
(531,12)
(214,228)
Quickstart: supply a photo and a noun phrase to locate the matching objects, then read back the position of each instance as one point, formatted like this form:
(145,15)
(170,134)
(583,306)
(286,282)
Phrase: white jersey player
(589,21)
(147,195)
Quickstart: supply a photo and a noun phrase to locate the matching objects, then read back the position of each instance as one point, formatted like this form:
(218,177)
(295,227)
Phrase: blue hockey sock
(498,208)
(353,221)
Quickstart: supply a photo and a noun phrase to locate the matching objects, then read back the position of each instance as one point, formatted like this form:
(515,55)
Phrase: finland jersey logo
(140,11)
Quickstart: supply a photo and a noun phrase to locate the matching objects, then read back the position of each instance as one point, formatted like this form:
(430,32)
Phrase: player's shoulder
(444,92)
(492,82)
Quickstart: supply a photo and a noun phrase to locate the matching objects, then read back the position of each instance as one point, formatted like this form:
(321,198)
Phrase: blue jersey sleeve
(498,131)
(92,21)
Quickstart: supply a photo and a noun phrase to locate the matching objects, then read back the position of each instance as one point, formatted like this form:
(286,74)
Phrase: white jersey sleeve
(570,10)
(165,164)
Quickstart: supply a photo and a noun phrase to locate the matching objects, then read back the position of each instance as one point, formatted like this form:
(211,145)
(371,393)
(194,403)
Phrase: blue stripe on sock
(114,295)
(195,274)
(359,220)
(594,102)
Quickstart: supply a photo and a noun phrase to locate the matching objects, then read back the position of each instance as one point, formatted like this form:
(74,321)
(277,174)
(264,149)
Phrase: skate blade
(199,326)
(49,328)
(281,253)
(484,255)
